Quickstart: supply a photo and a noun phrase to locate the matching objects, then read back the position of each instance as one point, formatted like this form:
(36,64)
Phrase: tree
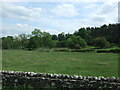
(37,33)
(36,39)
(61,36)
(61,39)
(54,37)
(32,43)
(40,39)
(61,43)
(0,43)
(98,36)
(85,34)
(101,42)
(7,42)
(67,36)
(47,40)
(76,42)
(24,40)
(17,43)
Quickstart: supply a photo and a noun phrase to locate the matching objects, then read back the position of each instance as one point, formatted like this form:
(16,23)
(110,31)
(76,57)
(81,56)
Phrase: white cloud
(110,10)
(58,0)
(16,29)
(90,5)
(103,14)
(67,10)
(21,12)
(98,15)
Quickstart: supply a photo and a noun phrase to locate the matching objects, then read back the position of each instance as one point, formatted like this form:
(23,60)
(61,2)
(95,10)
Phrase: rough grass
(87,64)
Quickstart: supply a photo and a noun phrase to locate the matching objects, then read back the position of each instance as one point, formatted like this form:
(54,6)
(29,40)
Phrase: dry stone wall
(41,81)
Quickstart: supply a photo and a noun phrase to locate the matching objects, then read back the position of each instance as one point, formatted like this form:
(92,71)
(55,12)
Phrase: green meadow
(87,64)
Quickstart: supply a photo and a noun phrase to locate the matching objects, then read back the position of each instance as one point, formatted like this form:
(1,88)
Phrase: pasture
(87,64)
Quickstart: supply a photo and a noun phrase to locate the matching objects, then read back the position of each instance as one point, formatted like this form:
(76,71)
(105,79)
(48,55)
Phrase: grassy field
(87,64)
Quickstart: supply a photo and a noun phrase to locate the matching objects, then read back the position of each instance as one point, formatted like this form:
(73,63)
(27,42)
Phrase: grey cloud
(108,8)
(119,12)
(99,19)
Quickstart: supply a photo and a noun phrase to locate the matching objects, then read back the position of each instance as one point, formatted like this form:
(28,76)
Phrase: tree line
(104,36)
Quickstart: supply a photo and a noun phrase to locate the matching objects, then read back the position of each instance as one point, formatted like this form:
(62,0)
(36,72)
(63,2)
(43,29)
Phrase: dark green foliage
(61,36)
(61,44)
(101,42)
(0,43)
(33,43)
(40,39)
(83,37)
(67,36)
(85,34)
(115,50)
(47,40)
(54,37)
(110,32)
(7,42)
(37,32)
(108,51)
(24,40)
(76,42)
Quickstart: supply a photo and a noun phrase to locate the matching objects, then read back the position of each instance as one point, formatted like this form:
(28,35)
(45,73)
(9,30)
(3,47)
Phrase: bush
(115,50)
(109,51)
(103,51)
(101,42)
(76,42)
(79,50)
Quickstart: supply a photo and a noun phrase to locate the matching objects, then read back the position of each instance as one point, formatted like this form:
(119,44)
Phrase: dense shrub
(76,42)
(103,51)
(101,42)
(115,50)
(109,51)
(79,50)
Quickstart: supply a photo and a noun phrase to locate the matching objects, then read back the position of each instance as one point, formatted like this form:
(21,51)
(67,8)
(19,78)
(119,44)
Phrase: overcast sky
(55,17)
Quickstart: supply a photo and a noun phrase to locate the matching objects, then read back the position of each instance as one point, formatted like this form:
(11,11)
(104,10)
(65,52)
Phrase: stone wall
(41,81)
